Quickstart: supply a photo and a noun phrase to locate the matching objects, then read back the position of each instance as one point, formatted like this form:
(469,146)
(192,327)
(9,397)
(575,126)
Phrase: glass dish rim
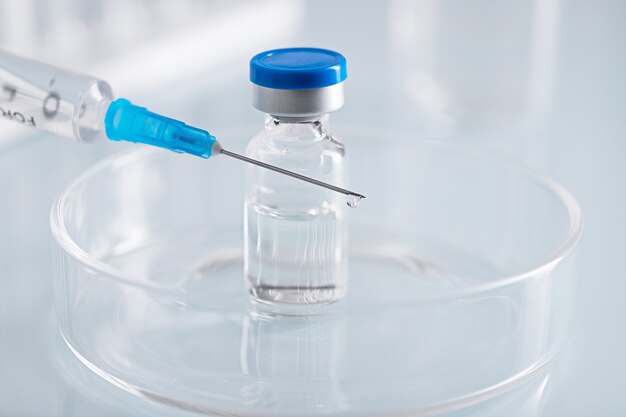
(566,246)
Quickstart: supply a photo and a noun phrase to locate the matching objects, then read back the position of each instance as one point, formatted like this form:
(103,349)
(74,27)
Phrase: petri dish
(462,284)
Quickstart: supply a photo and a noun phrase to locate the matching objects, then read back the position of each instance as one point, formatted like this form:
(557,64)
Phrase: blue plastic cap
(125,121)
(298,68)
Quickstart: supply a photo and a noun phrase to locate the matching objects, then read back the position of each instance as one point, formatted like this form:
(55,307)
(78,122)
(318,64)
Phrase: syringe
(81,107)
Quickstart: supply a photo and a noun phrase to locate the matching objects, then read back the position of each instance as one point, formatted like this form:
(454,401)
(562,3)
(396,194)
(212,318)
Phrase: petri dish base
(460,289)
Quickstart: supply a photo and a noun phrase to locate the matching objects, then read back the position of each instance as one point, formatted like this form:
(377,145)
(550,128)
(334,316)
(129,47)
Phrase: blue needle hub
(127,122)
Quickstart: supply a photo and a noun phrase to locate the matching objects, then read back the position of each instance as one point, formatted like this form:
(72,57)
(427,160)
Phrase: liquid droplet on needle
(353,200)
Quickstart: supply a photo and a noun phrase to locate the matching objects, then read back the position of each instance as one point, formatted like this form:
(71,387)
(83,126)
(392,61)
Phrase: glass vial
(295,243)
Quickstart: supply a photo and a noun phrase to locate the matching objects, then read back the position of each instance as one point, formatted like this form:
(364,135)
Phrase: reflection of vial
(294,234)
(295,360)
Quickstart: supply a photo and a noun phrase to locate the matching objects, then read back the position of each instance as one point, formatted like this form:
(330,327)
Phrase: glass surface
(294,250)
(461,284)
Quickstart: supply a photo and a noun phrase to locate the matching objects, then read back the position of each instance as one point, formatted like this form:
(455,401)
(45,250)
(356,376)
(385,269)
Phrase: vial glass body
(294,249)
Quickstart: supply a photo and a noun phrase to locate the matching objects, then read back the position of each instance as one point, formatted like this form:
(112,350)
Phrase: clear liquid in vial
(294,256)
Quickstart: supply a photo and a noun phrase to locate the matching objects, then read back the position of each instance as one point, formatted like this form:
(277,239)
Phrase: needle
(293,174)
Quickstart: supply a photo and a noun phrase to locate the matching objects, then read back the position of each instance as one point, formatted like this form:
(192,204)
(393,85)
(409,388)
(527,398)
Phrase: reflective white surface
(573,128)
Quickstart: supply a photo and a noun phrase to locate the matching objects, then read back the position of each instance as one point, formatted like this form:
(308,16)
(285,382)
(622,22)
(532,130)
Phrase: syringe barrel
(53,99)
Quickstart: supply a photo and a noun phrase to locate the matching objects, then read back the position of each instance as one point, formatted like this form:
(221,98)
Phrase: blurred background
(539,80)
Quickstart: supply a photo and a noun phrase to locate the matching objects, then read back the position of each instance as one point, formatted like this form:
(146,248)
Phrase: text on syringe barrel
(59,101)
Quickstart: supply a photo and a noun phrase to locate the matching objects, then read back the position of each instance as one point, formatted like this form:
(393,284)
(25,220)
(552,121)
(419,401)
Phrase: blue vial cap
(298,68)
